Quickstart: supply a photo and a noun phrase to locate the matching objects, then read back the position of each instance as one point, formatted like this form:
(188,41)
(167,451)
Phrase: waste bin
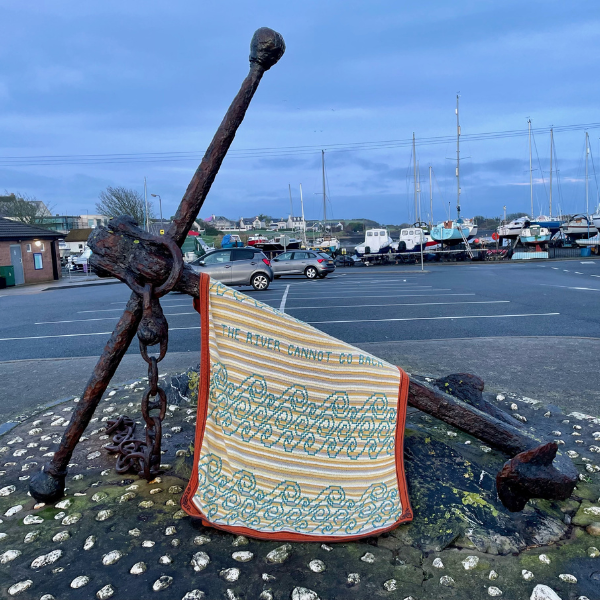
(586,251)
(2,283)
(9,274)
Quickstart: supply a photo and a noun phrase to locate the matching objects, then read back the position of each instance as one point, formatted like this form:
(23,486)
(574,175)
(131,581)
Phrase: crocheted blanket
(299,435)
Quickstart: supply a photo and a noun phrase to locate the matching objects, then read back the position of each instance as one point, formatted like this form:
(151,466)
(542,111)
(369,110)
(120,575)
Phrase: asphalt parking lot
(533,325)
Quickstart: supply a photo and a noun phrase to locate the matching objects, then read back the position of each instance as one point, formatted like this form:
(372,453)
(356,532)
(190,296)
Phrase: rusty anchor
(151,266)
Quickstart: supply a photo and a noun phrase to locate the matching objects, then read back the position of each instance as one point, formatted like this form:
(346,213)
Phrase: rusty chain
(143,456)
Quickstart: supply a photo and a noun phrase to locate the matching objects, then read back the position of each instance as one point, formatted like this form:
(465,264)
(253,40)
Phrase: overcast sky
(134,78)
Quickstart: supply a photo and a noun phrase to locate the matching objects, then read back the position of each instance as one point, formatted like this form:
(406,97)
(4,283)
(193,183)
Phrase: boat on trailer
(377,241)
(579,227)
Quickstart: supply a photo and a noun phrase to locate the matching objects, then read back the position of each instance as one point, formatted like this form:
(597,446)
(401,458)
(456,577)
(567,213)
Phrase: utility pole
(530,169)
(457,161)
(324,195)
(551,146)
(415,179)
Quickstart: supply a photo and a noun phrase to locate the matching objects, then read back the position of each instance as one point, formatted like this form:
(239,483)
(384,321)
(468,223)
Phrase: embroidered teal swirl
(237,500)
(293,422)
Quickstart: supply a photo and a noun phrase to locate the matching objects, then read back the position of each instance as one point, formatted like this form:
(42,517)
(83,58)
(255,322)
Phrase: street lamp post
(159,204)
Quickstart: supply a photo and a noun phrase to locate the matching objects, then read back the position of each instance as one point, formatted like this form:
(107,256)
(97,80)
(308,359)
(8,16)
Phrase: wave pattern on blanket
(299,435)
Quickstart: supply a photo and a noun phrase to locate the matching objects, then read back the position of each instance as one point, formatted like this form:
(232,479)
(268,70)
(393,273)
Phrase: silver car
(310,263)
(236,266)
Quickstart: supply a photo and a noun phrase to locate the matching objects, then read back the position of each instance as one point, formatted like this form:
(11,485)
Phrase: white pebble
(230,575)
(61,536)
(494,591)
(89,542)
(316,566)
(368,558)
(543,592)
(527,575)
(242,556)
(106,592)
(437,563)
(19,587)
(80,581)
(9,556)
(544,559)
(162,583)
(111,558)
(567,578)
(200,561)
(470,562)
(138,568)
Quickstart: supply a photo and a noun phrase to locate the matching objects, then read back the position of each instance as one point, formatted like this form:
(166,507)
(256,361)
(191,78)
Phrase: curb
(79,285)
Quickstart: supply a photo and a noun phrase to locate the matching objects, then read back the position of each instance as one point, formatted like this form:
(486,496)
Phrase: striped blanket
(298,435)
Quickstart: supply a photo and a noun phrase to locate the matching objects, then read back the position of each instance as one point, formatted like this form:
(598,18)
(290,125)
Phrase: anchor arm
(534,471)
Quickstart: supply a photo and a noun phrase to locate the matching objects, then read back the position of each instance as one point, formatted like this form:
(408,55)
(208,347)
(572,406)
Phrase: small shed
(31,251)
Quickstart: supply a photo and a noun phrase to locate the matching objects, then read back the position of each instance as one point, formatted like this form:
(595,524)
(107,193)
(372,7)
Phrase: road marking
(67,335)
(555,268)
(578,273)
(566,270)
(378,296)
(568,287)
(402,304)
(594,275)
(437,318)
(282,305)
(109,318)
(115,309)
(586,262)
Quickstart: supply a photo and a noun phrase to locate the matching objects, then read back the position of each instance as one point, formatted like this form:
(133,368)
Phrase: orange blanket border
(201,305)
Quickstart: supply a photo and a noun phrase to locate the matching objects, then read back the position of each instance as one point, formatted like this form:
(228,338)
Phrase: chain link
(143,456)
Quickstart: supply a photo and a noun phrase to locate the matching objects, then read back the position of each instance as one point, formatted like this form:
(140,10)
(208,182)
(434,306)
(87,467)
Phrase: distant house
(92,221)
(296,223)
(246,224)
(31,251)
(277,224)
(75,241)
(221,223)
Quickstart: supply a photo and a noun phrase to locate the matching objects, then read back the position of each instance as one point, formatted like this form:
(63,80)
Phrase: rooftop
(15,230)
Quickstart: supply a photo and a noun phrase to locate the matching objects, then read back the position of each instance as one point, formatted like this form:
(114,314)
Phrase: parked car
(310,263)
(236,266)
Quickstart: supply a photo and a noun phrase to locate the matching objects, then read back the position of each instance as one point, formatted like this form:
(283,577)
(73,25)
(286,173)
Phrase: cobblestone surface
(116,536)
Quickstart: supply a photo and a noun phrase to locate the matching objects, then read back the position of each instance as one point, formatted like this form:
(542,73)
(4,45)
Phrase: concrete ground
(533,328)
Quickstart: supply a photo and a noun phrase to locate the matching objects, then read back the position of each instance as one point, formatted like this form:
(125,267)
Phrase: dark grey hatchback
(236,266)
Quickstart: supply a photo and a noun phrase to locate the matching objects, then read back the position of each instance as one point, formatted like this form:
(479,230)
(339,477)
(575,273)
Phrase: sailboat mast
(324,195)
(551,146)
(430,199)
(303,221)
(291,203)
(530,169)
(415,179)
(587,152)
(457,161)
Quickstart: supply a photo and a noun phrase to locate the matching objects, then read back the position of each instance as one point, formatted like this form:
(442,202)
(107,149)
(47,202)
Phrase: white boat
(533,235)
(579,227)
(327,243)
(596,218)
(593,241)
(377,241)
(413,239)
(455,231)
(513,229)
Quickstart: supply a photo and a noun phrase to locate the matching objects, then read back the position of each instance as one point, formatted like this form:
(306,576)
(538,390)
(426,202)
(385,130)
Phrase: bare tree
(117,201)
(25,209)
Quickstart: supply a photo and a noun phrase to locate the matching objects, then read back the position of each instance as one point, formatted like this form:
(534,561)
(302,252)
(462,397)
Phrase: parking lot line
(436,318)
(371,296)
(401,304)
(282,303)
(116,309)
